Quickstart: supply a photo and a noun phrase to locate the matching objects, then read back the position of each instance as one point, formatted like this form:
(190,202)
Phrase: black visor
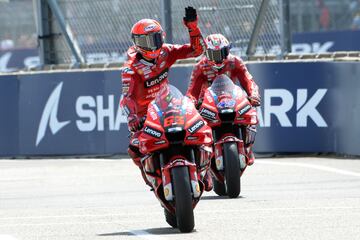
(150,42)
(217,56)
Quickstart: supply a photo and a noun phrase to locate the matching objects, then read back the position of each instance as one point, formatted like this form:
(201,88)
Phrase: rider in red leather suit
(216,61)
(146,70)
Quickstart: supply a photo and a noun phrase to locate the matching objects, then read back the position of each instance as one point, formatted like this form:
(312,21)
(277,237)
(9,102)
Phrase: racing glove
(254,100)
(134,123)
(191,21)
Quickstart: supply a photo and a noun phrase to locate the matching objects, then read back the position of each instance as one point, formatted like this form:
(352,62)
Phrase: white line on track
(312,166)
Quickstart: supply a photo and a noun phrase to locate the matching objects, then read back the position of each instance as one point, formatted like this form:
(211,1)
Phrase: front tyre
(232,169)
(183,199)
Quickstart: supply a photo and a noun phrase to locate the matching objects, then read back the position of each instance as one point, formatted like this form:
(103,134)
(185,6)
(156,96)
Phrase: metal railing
(100,30)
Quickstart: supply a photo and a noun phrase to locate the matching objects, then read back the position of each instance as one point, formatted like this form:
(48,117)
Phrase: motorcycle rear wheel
(232,169)
(183,199)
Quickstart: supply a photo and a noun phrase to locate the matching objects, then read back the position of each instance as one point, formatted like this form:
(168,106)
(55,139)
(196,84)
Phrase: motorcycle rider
(146,70)
(218,60)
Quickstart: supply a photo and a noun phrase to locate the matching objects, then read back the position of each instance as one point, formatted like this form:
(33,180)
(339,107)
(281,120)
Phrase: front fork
(158,172)
(178,161)
(218,158)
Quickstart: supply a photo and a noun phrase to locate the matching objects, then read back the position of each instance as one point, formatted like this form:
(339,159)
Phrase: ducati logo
(49,115)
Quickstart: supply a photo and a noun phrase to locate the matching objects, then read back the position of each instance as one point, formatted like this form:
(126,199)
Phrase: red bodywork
(244,114)
(153,143)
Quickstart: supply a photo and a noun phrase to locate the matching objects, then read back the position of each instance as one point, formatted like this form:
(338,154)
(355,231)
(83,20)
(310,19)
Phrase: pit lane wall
(307,107)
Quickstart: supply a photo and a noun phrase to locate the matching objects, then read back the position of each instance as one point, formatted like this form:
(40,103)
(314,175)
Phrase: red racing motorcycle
(227,110)
(176,142)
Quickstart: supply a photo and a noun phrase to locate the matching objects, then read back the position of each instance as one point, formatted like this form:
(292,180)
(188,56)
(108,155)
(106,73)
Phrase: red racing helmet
(217,50)
(148,37)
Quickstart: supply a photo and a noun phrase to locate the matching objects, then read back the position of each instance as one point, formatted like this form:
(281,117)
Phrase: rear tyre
(170,218)
(232,169)
(219,187)
(183,199)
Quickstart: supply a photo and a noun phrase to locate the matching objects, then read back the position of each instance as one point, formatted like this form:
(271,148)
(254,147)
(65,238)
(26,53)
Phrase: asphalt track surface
(281,198)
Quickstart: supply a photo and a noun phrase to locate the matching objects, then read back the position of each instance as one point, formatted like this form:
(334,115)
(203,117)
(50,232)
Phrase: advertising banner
(71,113)
(9,109)
(306,107)
(321,42)
(16,59)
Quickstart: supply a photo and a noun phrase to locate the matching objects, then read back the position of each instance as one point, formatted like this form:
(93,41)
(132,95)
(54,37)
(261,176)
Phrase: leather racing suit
(141,80)
(202,76)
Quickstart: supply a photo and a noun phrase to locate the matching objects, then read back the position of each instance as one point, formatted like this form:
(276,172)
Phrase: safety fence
(306,107)
(103,26)
(316,46)
(17,24)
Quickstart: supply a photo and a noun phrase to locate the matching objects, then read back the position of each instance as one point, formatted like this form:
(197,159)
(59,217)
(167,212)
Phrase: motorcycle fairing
(218,155)
(184,118)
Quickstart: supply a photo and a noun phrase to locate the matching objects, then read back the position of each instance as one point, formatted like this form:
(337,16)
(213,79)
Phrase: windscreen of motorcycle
(223,90)
(169,100)
(222,85)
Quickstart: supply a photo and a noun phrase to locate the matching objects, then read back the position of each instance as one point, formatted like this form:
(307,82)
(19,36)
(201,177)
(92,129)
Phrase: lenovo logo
(206,113)
(196,126)
(152,132)
(154,81)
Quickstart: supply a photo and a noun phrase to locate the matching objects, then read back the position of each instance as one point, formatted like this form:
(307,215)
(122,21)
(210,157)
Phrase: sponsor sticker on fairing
(226,104)
(244,109)
(160,142)
(152,132)
(153,114)
(207,113)
(192,138)
(196,126)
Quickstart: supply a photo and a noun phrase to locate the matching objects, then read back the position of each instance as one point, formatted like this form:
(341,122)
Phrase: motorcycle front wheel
(232,169)
(183,198)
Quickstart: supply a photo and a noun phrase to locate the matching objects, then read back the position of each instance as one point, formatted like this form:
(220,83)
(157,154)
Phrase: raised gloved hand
(134,123)
(190,14)
(254,100)
(190,19)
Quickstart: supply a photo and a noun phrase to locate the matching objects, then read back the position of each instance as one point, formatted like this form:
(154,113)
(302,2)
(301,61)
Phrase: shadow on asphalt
(154,231)
(215,197)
